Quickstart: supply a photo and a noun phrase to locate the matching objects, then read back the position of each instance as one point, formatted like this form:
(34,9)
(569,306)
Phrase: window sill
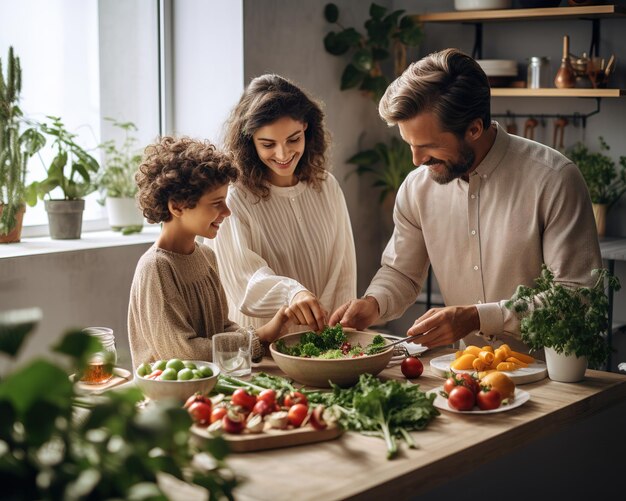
(88,240)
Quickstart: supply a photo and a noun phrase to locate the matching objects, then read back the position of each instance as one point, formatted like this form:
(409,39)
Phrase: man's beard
(453,170)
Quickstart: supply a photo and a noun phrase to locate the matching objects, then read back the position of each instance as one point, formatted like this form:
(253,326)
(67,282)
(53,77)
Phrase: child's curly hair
(182,170)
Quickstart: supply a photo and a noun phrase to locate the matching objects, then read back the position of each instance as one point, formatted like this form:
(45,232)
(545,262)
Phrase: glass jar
(100,366)
(538,76)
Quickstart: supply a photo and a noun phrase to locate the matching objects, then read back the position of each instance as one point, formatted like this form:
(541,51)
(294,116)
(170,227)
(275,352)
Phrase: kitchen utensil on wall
(559,132)
(529,128)
(565,76)
(511,126)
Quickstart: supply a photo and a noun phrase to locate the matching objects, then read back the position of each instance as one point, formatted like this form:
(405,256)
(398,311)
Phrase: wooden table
(509,446)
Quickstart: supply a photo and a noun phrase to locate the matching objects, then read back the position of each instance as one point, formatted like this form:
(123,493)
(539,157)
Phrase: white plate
(534,372)
(520,398)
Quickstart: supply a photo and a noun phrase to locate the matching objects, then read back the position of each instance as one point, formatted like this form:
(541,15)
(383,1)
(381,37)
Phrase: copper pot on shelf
(565,77)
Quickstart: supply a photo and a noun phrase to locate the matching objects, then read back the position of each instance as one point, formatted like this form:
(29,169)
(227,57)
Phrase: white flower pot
(123,212)
(565,368)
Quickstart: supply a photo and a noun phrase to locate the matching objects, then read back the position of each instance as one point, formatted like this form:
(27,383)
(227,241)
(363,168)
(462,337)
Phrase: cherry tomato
(262,408)
(412,367)
(196,397)
(268,396)
(461,398)
(469,381)
(295,397)
(233,422)
(242,398)
(200,412)
(450,383)
(218,413)
(297,413)
(488,399)
(317,418)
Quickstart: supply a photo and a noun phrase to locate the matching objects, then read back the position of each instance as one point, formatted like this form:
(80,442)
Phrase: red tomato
(469,381)
(196,397)
(218,413)
(268,396)
(262,408)
(412,367)
(242,398)
(450,383)
(233,422)
(461,398)
(295,397)
(488,399)
(297,413)
(200,412)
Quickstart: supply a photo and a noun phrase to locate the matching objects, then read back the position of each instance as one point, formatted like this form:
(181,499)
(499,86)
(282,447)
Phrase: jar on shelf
(100,365)
(538,76)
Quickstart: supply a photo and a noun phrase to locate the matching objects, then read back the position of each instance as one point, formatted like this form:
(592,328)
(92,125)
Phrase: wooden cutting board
(271,438)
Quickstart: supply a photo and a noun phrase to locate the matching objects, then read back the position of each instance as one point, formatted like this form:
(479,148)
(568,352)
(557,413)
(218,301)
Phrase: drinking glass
(100,366)
(232,353)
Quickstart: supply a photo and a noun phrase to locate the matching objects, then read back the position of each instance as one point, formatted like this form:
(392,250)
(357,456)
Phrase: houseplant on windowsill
(605,182)
(16,148)
(71,171)
(568,322)
(116,180)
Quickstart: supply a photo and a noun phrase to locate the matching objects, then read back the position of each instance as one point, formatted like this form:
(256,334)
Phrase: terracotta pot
(15,235)
(599,213)
(565,368)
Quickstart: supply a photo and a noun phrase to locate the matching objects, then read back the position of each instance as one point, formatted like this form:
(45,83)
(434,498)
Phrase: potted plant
(16,148)
(59,444)
(387,34)
(569,322)
(116,180)
(71,170)
(606,184)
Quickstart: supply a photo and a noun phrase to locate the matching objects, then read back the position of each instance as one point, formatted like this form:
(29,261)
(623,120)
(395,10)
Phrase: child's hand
(276,327)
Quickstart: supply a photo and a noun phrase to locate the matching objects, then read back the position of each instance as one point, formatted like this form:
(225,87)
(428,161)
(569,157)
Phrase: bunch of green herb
(606,184)
(112,450)
(387,409)
(567,319)
(313,345)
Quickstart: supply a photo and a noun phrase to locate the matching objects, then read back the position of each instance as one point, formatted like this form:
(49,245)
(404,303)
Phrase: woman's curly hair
(267,99)
(181,170)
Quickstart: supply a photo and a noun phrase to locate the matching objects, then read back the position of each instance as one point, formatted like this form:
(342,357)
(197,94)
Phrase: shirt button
(479,302)
(473,232)
(472,196)
(484,176)
(476,267)
(293,199)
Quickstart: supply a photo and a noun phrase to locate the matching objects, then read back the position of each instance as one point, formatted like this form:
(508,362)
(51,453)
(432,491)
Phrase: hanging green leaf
(331,13)
(351,77)
(363,60)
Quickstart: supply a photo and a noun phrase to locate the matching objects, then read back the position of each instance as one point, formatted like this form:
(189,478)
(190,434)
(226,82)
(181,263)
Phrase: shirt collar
(496,153)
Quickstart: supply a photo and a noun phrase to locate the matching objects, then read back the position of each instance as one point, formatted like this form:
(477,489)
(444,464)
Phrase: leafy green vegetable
(569,320)
(376,345)
(387,409)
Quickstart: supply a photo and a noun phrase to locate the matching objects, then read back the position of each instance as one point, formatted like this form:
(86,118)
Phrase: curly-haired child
(177,302)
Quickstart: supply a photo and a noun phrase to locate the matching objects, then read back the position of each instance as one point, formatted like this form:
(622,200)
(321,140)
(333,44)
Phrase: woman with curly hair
(289,239)
(177,301)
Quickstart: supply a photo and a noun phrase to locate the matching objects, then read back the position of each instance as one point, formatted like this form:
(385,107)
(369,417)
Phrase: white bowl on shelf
(482,4)
(498,67)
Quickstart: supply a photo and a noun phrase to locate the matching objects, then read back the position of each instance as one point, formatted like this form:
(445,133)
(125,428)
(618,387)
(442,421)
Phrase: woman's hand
(275,328)
(305,309)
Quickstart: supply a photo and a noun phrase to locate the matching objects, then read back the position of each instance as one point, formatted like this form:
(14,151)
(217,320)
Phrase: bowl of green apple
(175,378)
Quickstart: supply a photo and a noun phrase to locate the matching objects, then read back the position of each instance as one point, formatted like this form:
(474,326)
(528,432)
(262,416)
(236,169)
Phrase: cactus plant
(16,146)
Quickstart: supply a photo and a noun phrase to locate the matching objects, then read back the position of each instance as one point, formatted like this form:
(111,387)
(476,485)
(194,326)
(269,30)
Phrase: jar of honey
(100,366)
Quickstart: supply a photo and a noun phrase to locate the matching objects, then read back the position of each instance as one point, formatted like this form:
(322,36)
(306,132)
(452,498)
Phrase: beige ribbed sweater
(297,239)
(176,304)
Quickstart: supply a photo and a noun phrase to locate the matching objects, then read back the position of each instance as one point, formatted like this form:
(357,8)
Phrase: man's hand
(357,313)
(443,326)
(305,309)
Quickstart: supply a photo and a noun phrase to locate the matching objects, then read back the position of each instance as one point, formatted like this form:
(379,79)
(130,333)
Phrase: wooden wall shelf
(512,92)
(484,16)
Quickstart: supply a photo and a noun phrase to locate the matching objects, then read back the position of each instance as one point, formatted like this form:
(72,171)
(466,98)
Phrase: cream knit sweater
(176,304)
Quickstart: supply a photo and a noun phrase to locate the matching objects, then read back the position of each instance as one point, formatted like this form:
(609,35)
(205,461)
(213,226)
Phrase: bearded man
(485,209)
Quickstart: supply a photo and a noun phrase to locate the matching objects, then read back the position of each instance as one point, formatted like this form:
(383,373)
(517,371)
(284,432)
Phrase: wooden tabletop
(354,466)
